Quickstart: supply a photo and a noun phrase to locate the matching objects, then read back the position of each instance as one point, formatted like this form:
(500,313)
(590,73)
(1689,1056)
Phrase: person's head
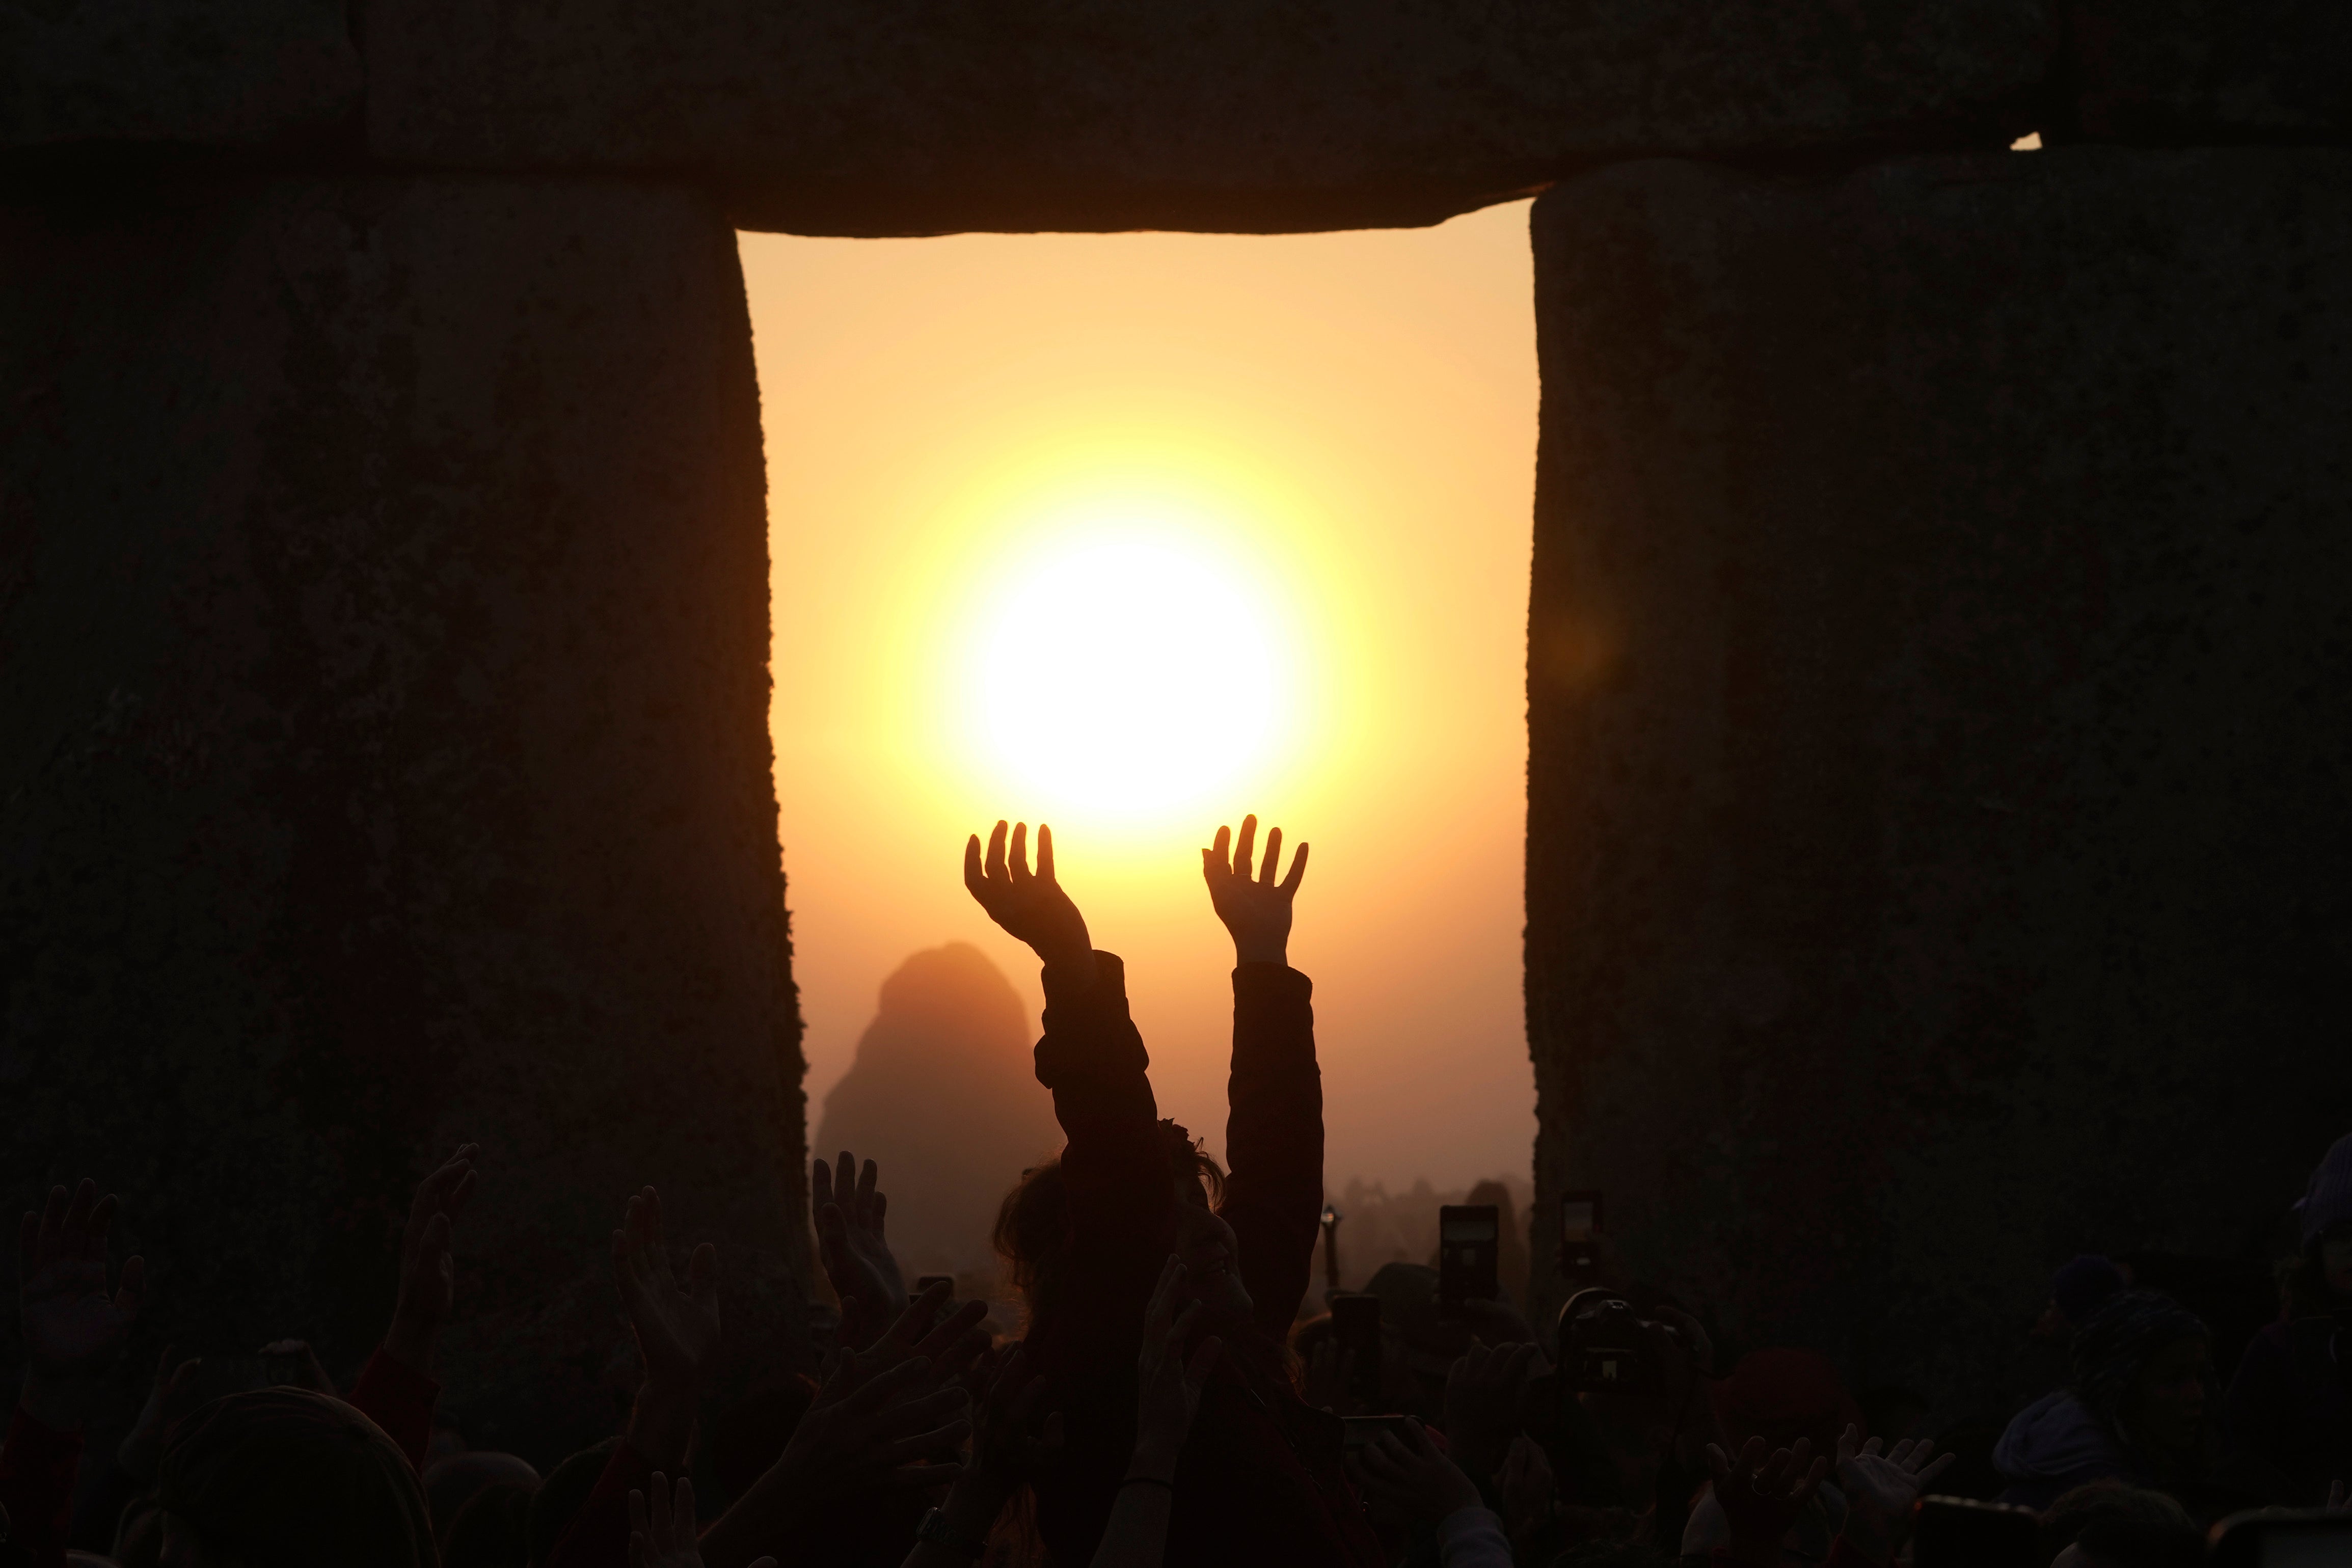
(492,1530)
(2324,1218)
(286,1476)
(1034,1237)
(451,1483)
(2141,1366)
(561,1496)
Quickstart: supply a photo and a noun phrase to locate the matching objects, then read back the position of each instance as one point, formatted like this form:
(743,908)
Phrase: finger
(52,1225)
(663,1537)
(687,1535)
(1813,1478)
(878,1389)
(917,1414)
(638,1523)
(77,1222)
(996,872)
(1929,1472)
(133,1286)
(1752,1455)
(180,1375)
(845,1181)
(866,1179)
(1849,1442)
(878,1220)
(1223,853)
(1203,1361)
(1719,1463)
(973,882)
(657,1243)
(101,1215)
(1018,861)
(946,1337)
(820,1184)
(702,1275)
(1182,1329)
(461,1191)
(1273,858)
(1297,869)
(939,1440)
(1045,853)
(1242,846)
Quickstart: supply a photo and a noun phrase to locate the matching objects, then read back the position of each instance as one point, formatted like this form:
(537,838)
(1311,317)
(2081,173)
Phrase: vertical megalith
(1941,726)
(384,759)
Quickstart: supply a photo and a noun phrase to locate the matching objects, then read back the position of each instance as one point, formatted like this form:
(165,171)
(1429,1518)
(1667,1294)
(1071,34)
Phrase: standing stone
(384,761)
(1941,727)
(253,76)
(909,117)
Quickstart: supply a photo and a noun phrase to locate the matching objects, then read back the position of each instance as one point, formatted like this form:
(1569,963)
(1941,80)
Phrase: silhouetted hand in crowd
(141,1453)
(427,1272)
(857,1259)
(1014,1442)
(1486,1403)
(1762,1493)
(1168,1381)
(1413,1475)
(1029,905)
(1526,1487)
(1256,910)
(74,1328)
(676,1327)
(662,1535)
(1880,1489)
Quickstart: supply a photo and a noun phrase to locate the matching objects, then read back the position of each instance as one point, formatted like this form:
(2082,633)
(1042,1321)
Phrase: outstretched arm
(1116,1164)
(1274,1130)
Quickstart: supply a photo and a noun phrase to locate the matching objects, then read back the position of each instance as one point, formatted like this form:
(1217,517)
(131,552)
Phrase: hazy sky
(1136,534)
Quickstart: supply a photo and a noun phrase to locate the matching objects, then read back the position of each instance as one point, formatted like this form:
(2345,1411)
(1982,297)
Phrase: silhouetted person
(2290,1406)
(1259,1480)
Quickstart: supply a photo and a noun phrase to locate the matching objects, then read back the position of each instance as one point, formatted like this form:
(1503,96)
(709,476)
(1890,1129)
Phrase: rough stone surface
(243,74)
(2205,71)
(847,116)
(1941,721)
(384,761)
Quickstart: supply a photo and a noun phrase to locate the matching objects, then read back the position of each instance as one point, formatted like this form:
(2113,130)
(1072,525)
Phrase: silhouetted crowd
(1169,1399)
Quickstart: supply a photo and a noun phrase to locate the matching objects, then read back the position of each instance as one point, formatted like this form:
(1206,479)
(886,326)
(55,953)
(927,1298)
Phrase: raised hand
(1256,910)
(140,1452)
(857,1259)
(886,1429)
(1881,1488)
(1011,1441)
(1167,1383)
(1524,1487)
(427,1272)
(1762,1494)
(1486,1401)
(1030,905)
(663,1535)
(74,1328)
(1413,1475)
(677,1325)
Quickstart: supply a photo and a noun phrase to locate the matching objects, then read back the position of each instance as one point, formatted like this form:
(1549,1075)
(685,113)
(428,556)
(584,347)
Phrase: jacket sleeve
(1274,1139)
(399,1400)
(36,1486)
(1113,1166)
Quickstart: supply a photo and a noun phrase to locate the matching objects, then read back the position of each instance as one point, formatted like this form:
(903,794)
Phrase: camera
(1607,1347)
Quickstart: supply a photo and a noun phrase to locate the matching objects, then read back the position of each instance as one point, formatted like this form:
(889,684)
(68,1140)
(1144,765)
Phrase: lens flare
(1121,674)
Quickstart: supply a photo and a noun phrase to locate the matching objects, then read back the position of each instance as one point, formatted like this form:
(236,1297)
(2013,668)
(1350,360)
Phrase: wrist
(410,1341)
(1262,949)
(1154,1456)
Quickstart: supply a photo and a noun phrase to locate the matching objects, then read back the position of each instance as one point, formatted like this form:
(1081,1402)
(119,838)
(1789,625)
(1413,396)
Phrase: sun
(1123,672)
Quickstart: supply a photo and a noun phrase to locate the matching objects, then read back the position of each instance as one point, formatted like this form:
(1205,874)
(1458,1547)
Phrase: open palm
(676,1321)
(1256,909)
(72,1325)
(850,1220)
(1028,904)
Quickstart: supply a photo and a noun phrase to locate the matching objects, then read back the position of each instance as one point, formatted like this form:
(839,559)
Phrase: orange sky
(1138,532)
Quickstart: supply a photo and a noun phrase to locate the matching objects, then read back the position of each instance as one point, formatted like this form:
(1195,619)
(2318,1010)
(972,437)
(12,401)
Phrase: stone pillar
(384,759)
(1941,726)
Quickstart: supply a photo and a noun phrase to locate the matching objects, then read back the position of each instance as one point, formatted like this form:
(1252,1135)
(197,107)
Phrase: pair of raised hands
(1762,1491)
(1032,906)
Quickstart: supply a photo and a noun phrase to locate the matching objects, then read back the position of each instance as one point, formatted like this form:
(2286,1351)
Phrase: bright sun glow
(1124,672)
